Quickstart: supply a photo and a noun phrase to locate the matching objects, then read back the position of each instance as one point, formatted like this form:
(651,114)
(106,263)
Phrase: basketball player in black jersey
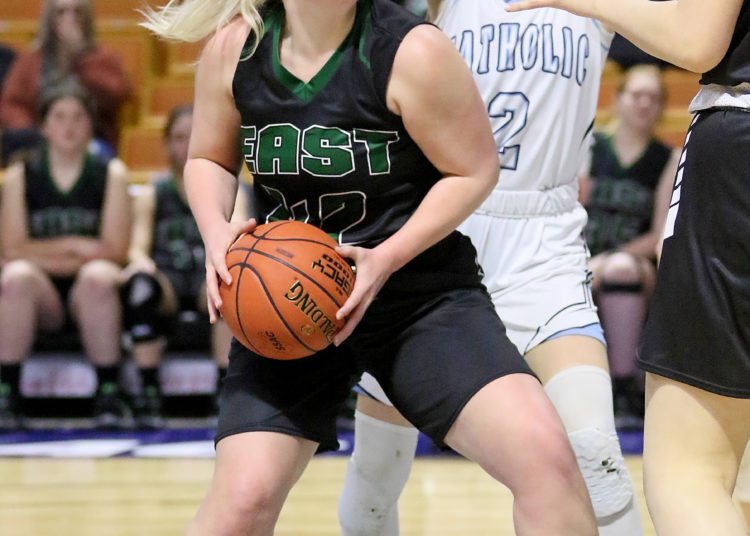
(348,112)
(696,343)
(166,270)
(65,231)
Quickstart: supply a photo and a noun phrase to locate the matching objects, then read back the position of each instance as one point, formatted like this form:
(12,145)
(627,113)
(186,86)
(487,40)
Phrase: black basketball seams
(276,309)
(308,240)
(281,223)
(237,300)
(298,271)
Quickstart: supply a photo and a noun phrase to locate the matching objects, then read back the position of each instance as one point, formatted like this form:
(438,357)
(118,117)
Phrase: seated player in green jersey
(166,271)
(626,194)
(65,234)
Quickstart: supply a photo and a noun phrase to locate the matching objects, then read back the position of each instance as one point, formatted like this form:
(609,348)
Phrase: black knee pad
(141,297)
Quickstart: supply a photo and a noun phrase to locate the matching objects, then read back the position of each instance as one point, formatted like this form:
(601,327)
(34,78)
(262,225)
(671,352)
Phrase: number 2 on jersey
(508,113)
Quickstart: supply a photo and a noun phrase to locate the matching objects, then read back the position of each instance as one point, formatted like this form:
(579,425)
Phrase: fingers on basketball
(288,282)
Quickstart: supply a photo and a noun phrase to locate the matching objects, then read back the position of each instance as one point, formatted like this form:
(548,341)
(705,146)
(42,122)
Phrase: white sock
(582,396)
(623,523)
(375,476)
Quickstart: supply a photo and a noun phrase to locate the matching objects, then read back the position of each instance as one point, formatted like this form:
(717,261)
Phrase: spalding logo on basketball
(288,282)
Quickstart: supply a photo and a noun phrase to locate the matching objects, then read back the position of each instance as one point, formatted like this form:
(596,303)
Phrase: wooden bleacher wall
(162,75)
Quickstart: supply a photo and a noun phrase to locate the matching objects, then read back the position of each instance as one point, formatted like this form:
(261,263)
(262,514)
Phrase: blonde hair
(194,20)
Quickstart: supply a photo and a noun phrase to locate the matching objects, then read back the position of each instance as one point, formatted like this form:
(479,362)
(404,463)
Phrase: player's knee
(621,268)
(554,448)
(603,468)
(17,279)
(249,503)
(383,454)
(582,396)
(379,478)
(97,280)
(141,297)
(235,505)
(545,443)
(375,476)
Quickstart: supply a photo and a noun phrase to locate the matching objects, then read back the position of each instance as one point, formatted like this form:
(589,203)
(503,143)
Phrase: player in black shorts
(696,343)
(65,231)
(349,113)
(166,273)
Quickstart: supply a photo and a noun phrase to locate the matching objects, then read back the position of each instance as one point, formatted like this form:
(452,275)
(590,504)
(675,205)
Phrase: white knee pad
(582,396)
(375,476)
(603,469)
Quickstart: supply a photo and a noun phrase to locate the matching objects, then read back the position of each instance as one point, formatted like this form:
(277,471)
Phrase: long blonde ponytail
(193,20)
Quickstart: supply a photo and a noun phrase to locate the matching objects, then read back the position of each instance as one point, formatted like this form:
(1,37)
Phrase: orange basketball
(287,284)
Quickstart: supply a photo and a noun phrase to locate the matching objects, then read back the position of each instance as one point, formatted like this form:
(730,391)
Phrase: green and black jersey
(53,213)
(177,244)
(621,204)
(329,152)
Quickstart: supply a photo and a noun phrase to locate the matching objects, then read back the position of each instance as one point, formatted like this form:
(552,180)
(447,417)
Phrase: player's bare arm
(692,34)
(116,215)
(436,97)
(211,169)
(434,93)
(141,236)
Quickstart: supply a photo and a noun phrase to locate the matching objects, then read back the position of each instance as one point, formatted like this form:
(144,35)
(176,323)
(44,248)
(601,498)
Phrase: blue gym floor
(176,443)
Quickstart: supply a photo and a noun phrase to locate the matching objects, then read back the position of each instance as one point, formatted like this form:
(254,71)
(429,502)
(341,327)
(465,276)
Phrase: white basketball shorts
(535,270)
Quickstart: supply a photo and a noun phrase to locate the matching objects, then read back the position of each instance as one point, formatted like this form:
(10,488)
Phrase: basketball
(288,282)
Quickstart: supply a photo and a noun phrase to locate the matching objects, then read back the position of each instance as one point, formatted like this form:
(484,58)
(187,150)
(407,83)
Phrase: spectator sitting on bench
(166,273)
(65,232)
(65,47)
(627,195)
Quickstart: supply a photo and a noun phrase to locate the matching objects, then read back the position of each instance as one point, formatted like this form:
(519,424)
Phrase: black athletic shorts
(63,286)
(431,352)
(698,327)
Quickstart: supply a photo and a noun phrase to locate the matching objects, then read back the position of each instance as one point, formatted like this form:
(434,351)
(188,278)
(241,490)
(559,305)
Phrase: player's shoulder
(117,171)
(227,41)
(423,55)
(14,174)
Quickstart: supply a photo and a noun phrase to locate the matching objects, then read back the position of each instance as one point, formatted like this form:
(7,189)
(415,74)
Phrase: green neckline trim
(80,181)
(307,91)
(621,168)
(363,34)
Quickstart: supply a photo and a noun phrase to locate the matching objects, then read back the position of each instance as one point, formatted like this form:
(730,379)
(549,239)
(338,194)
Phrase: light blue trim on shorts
(357,388)
(594,331)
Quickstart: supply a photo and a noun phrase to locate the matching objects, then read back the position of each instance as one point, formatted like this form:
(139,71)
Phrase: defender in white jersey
(538,73)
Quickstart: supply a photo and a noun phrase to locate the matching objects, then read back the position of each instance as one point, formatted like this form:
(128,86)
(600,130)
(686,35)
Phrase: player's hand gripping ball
(288,282)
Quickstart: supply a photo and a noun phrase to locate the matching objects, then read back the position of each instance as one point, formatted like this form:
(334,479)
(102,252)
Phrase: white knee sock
(375,476)
(582,396)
